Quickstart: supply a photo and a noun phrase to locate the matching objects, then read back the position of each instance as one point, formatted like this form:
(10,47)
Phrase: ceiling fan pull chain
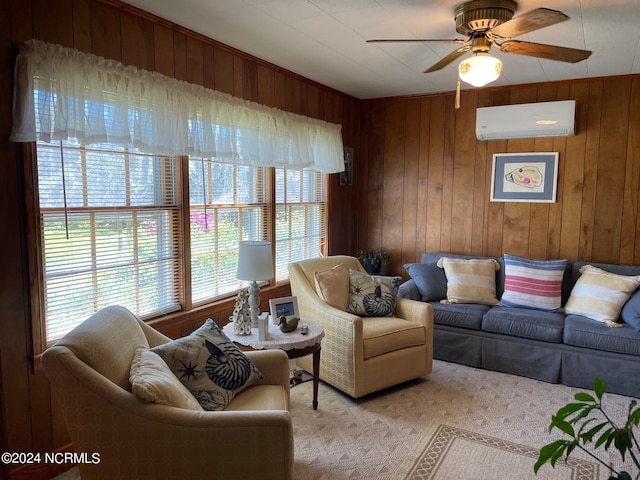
(458,94)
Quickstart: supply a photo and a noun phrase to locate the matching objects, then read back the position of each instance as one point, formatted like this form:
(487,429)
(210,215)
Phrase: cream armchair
(361,355)
(135,439)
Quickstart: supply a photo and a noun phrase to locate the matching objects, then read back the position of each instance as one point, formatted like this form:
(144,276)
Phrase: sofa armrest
(409,290)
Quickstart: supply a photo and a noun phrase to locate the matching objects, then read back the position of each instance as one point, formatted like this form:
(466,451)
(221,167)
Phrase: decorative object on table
(255,263)
(304,329)
(288,325)
(263,326)
(283,307)
(372,260)
(241,316)
(575,421)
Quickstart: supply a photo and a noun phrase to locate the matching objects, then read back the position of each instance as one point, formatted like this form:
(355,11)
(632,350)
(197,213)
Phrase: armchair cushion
(333,286)
(372,295)
(153,381)
(210,365)
(386,334)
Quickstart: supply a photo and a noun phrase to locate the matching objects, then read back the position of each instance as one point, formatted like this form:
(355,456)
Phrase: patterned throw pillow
(470,280)
(333,286)
(599,294)
(210,365)
(535,284)
(372,295)
(153,381)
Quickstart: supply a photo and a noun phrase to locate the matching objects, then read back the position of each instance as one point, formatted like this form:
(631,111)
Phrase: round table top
(276,338)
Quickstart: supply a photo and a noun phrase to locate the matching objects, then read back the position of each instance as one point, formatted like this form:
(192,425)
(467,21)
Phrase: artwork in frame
(524,177)
(346,176)
(283,307)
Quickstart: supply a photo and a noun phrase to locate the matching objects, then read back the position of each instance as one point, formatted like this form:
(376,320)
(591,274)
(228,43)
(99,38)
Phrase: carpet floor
(456,423)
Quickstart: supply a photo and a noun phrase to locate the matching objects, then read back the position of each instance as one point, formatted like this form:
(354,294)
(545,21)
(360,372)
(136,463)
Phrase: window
(108,232)
(300,217)
(110,229)
(148,227)
(227,205)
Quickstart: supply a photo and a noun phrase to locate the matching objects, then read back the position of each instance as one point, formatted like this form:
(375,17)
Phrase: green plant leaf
(587,437)
(584,397)
(548,452)
(623,476)
(604,437)
(568,409)
(599,387)
(564,426)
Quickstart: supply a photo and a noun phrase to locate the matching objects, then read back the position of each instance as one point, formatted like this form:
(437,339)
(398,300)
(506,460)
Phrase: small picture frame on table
(283,307)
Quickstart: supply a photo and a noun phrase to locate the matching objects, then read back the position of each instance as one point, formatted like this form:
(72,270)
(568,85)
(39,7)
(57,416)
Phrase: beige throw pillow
(600,295)
(153,381)
(333,286)
(470,280)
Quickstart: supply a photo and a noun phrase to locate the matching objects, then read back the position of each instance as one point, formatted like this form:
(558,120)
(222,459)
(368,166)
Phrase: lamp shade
(480,69)
(255,261)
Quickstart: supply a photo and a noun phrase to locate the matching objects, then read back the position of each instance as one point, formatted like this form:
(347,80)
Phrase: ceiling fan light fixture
(480,69)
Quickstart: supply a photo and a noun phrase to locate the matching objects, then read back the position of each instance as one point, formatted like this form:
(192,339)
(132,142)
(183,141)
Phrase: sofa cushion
(470,280)
(386,334)
(584,332)
(153,381)
(533,284)
(538,325)
(599,294)
(430,280)
(372,295)
(210,365)
(465,315)
(333,286)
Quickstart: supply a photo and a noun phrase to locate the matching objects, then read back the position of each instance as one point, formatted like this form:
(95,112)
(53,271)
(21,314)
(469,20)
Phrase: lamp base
(254,302)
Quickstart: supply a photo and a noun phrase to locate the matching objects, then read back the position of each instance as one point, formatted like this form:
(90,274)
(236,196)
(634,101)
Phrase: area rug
(457,423)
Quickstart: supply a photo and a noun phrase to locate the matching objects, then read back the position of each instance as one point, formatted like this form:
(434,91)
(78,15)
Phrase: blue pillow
(430,280)
(630,313)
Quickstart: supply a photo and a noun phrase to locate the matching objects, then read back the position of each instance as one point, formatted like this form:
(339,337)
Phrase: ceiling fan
(488,23)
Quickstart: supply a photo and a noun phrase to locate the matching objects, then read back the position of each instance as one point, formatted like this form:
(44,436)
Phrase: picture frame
(346,176)
(283,306)
(524,177)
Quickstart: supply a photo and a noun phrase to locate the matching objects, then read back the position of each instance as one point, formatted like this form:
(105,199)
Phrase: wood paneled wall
(30,419)
(426,184)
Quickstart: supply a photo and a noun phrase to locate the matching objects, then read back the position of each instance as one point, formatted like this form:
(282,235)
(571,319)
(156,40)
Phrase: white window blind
(300,217)
(227,205)
(108,225)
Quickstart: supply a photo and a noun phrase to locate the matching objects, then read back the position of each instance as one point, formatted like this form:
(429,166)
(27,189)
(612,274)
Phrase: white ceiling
(324,40)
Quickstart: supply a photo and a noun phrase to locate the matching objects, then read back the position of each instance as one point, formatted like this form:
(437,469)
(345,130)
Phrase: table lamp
(255,264)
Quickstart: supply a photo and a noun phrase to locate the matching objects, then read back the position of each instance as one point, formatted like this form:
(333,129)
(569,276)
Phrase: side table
(293,343)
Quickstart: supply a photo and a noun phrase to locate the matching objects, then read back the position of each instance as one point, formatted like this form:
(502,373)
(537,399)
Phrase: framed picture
(346,176)
(524,177)
(284,306)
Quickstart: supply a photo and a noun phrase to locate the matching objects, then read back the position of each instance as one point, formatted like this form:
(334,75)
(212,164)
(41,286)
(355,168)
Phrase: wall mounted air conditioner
(544,119)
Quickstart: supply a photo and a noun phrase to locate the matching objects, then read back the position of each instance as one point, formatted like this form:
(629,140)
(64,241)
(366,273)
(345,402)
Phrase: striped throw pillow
(600,295)
(535,284)
(470,280)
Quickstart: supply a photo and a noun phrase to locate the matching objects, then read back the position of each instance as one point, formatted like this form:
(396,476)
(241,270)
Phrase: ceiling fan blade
(420,40)
(528,22)
(540,50)
(448,59)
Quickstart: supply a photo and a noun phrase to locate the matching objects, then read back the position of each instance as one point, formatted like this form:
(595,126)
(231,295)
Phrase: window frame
(181,169)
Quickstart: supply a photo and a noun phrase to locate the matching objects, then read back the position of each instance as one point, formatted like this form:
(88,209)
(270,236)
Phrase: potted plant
(372,260)
(575,422)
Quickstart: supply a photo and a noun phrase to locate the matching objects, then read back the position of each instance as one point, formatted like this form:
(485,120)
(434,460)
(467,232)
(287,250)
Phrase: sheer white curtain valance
(95,100)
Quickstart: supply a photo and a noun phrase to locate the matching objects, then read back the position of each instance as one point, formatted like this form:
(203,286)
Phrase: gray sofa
(547,346)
